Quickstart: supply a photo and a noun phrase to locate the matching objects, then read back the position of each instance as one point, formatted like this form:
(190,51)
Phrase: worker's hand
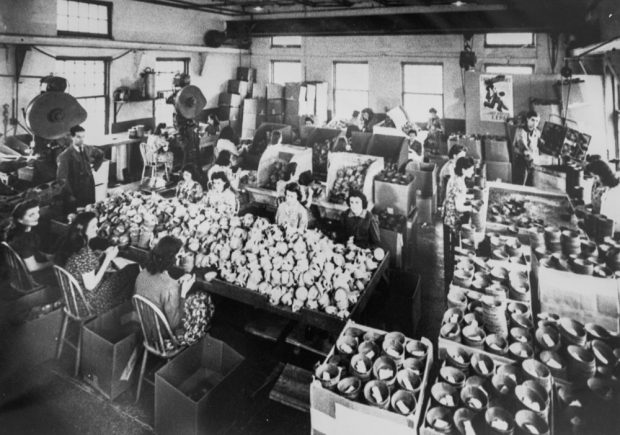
(186,281)
(111,252)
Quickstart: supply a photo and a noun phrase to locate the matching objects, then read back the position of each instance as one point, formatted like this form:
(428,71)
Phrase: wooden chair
(150,161)
(156,332)
(21,280)
(73,295)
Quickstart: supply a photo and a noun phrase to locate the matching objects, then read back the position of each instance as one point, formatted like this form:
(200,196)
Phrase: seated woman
(223,163)
(213,125)
(23,237)
(227,141)
(103,290)
(221,196)
(189,189)
(291,212)
(157,146)
(189,315)
(358,223)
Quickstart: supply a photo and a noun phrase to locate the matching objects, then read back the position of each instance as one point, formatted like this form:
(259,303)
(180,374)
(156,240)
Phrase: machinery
(188,102)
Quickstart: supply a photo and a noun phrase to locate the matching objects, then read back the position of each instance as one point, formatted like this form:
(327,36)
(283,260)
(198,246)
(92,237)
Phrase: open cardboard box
(200,390)
(110,350)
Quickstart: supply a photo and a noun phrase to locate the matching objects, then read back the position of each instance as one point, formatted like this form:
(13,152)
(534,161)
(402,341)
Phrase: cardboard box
(320,102)
(496,150)
(331,413)
(275,119)
(247,133)
(25,173)
(248,122)
(295,92)
(111,351)
(293,120)
(275,91)
(238,87)
(275,107)
(258,91)
(233,100)
(397,198)
(254,106)
(246,74)
(426,180)
(200,390)
(227,113)
(310,97)
(499,171)
(294,108)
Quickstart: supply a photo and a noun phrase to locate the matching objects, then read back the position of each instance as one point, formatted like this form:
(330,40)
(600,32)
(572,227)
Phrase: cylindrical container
(520,351)
(459,358)
(463,418)
(408,380)
(554,363)
(482,365)
(394,336)
(149,83)
(452,376)
(328,374)
(451,331)
(533,399)
(445,394)
(350,387)
(473,336)
(531,423)
(377,393)
(474,398)
(499,421)
(552,238)
(368,349)
(385,370)
(548,337)
(503,386)
(361,366)
(416,349)
(572,331)
(440,419)
(603,353)
(571,242)
(347,345)
(596,332)
(496,344)
(395,350)
(403,402)
(581,363)
(538,372)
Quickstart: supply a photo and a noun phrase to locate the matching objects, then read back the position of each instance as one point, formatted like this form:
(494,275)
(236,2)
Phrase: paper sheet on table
(349,421)
(121,262)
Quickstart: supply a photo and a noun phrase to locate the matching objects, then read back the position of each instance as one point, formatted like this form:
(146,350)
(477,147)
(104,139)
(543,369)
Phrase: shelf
(119,103)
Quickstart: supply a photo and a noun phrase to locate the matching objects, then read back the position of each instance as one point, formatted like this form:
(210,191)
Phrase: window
(84,18)
(285,71)
(166,69)
(422,89)
(87,82)
(286,41)
(509,40)
(350,88)
(510,69)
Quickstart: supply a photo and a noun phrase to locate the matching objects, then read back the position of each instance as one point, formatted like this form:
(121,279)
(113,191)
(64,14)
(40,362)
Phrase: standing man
(525,147)
(75,170)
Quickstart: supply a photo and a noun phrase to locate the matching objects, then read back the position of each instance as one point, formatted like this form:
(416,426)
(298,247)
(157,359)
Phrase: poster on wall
(496,102)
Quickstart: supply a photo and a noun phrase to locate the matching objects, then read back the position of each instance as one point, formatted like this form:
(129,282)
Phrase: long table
(318,319)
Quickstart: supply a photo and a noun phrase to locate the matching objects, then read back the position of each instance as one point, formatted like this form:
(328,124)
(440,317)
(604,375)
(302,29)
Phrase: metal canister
(149,83)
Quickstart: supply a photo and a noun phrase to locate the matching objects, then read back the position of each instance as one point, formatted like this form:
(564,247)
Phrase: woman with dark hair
(606,191)
(358,223)
(447,170)
(291,212)
(188,315)
(213,125)
(221,196)
(23,237)
(368,120)
(189,189)
(102,290)
(454,211)
(227,141)
(223,163)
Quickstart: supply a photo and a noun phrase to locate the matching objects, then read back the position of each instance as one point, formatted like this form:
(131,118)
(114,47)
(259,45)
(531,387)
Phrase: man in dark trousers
(75,171)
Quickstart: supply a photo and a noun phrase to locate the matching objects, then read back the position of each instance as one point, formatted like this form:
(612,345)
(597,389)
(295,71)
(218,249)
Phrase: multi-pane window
(509,40)
(422,90)
(86,80)
(83,17)
(350,88)
(285,71)
(166,69)
(510,69)
(286,41)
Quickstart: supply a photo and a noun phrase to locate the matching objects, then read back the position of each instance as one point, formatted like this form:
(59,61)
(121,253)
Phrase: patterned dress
(113,289)
(294,215)
(189,191)
(451,216)
(223,202)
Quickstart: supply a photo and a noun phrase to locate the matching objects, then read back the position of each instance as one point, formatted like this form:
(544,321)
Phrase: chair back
(155,328)
(75,302)
(20,277)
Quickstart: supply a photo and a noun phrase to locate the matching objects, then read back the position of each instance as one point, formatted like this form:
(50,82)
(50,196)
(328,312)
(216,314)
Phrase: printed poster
(496,102)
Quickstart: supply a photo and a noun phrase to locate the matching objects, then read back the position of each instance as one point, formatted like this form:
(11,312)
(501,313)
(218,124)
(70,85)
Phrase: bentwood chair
(76,309)
(159,339)
(149,160)
(20,278)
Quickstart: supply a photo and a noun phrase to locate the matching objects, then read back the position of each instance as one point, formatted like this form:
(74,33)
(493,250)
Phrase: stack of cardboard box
(237,91)
(254,114)
(295,110)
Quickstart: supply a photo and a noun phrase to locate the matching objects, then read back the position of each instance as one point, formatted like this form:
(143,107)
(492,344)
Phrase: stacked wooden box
(230,101)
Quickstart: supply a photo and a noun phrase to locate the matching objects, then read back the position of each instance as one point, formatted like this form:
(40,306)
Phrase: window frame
(274,61)
(532,66)
(285,45)
(335,87)
(530,45)
(107,61)
(185,61)
(443,99)
(68,33)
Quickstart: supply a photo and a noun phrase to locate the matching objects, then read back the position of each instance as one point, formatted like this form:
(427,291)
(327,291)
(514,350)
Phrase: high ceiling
(342,17)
